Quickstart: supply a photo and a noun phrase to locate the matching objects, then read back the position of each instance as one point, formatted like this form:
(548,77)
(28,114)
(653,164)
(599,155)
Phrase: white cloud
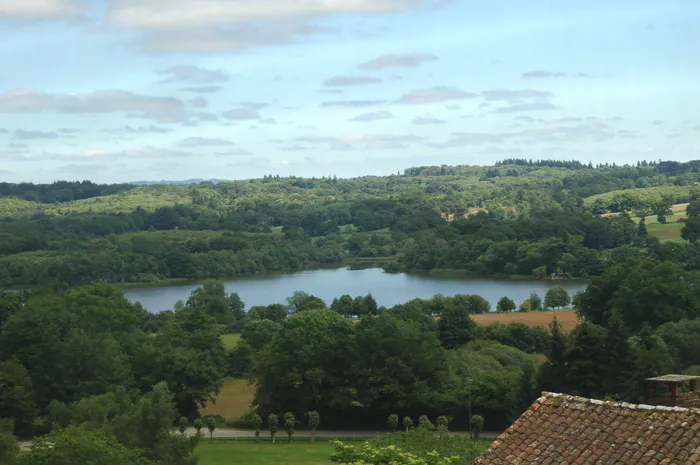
(241,114)
(151,129)
(193,74)
(203,142)
(188,14)
(408,60)
(199,102)
(434,94)
(427,120)
(534,106)
(203,89)
(342,81)
(21,134)
(41,9)
(352,103)
(161,109)
(511,95)
(542,74)
(372,116)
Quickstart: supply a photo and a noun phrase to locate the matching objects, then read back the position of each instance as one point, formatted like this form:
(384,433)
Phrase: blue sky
(124,90)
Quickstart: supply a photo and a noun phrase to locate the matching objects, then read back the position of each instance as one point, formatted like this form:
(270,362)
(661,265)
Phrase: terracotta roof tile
(567,430)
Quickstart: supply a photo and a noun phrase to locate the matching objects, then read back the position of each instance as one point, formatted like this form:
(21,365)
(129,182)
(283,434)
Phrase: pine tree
(552,375)
(642,229)
(617,360)
(585,353)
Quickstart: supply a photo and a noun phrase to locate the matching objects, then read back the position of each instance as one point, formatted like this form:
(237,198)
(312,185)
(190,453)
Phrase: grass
(231,452)
(230,340)
(567,318)
(665,232)
(233,401)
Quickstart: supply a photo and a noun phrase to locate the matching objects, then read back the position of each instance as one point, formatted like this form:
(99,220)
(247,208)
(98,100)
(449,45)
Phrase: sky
(127,90)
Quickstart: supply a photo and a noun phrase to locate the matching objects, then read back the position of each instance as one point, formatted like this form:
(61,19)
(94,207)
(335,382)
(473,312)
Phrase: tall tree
(584,356)
(456,327)
(617,361)
(552,374)
(17,395)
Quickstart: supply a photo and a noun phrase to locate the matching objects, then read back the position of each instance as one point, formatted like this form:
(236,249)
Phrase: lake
(388,289)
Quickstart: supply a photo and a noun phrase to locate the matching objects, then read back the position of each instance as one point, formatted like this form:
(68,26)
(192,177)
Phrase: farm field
(665,232)
(231,452)
(568,318)
(233,401)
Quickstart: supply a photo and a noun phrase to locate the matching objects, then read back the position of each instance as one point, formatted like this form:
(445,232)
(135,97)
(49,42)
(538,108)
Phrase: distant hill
(185,182)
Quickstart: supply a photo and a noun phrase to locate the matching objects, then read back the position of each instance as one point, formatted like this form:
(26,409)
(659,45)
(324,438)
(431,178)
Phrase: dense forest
(519,217)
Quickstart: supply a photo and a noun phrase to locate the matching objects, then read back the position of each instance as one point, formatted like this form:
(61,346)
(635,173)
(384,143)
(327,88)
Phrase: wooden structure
(674,391)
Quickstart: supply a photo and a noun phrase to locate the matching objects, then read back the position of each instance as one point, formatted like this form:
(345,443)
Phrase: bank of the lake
(388,289)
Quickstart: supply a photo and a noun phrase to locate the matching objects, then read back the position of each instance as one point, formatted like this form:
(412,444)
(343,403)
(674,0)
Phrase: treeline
(60,191)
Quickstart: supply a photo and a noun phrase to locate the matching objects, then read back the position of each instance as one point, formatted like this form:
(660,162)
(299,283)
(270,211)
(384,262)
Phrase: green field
(230,340)
(232,452)
(666,231)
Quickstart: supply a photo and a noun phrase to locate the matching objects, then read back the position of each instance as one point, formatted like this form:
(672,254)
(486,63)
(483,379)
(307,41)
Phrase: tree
(552,374)
(407,423)
(273,423)
(525,306)
(505,305)
(17,395)
(76,444)
(477,425)
(662,209)
(526,388)
(259,333)
(442,424)
(691,229)
(585,352)
(393,422)
(456,327)
(535,301)
(314,423)
(424,422)
(9,448)
(198,425)
(617,362)
(556,297)
(182,425)
(210,422)
(256,421)
(300,301)
(289,422)
(642,228)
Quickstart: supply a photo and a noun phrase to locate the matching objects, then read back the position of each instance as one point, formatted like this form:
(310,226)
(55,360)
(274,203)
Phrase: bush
(477,425)
(423,445)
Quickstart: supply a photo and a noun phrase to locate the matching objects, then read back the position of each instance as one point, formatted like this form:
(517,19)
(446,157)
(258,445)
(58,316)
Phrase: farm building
(562,429)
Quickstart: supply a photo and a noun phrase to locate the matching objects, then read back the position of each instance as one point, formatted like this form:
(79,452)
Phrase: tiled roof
(561,429)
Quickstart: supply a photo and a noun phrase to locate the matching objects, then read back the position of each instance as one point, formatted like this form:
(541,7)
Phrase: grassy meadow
(233,401)
(230,340)
(233,452)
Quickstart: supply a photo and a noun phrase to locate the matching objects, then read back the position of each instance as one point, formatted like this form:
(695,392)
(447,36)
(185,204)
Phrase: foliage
(17,395)
(393,421)
(477,425)
(505,305)
(80,445)
(198,425)
(314,423)
(256,421)
(9,448)
(289,424)
(272,424)
(210,423)
(407,423)
(556,297)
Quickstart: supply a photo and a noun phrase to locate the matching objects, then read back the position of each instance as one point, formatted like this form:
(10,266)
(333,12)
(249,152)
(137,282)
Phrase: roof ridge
(585,400)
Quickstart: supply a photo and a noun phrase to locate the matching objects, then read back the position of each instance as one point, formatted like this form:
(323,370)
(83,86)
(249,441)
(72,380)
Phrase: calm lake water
(387,288)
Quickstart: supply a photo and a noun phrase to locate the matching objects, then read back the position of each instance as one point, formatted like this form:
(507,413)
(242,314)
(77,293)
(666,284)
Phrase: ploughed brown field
(568,318)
